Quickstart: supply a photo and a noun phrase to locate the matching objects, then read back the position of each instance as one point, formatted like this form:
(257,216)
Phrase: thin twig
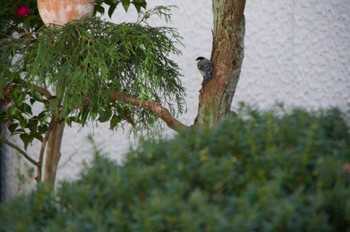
(68,160)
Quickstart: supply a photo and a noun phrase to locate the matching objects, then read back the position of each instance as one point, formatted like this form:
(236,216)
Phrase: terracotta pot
(61,12)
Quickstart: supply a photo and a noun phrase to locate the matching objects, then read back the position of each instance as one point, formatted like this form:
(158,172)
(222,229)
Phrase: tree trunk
(216,96)
(53,152)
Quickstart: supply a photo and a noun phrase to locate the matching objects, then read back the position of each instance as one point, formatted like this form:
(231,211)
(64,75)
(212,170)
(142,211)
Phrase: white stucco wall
(296,52)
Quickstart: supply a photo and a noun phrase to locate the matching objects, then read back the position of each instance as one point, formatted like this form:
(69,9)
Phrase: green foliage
(112,5)
(83,65)
(20,118)
(260,172)
(38,206)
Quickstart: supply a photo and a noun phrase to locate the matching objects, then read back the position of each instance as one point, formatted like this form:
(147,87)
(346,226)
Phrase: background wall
(296,52)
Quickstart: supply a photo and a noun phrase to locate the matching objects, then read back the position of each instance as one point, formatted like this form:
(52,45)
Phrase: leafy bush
(260,172)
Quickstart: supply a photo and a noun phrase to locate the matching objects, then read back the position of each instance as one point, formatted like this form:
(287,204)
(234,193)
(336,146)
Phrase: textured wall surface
(296,52)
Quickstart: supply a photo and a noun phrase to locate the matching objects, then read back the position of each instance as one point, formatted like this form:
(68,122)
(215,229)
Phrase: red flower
(6,91)
(6,100)
(23,11)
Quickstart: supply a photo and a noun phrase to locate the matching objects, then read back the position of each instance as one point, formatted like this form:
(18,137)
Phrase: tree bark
(53,152)
(216,96)
(153,106)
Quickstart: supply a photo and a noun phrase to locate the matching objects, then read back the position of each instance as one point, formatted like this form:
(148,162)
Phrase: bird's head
(200,58)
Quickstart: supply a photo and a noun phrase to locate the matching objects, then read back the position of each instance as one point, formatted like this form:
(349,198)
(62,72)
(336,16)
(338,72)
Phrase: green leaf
(42,116)
(112,9)
(25,108)
(43,129)
(12,127)
(99,9)
(105,115)
(83,116)
(33,124)
(126,4)
(70,120)
(23,122)
(138,8)
(140,4)
(3,117)
(26,139)
(38,136)
(37,96)
(115,121)
(12,112)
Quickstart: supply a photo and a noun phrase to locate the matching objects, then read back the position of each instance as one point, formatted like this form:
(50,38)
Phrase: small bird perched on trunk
(205,67)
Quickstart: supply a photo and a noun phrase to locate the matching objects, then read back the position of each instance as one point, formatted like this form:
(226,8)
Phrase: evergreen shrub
(260,172)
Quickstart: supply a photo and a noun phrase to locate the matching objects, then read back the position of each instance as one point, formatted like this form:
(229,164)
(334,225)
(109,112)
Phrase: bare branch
(3,140)
(154,107)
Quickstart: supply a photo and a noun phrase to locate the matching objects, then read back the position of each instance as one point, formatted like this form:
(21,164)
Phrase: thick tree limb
(216,96)
(152,106)
(53,150)
(155,107)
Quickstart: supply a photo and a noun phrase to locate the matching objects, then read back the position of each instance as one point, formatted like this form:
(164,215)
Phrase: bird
(204,66)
